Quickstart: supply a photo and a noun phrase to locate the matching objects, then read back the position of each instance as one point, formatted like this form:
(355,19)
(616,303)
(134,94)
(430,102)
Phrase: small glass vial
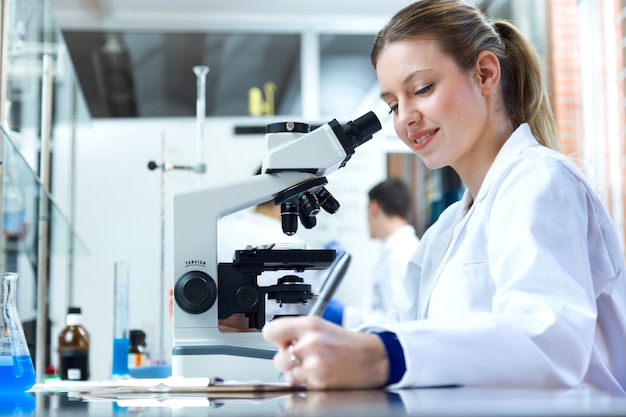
(137,353)
(74,348)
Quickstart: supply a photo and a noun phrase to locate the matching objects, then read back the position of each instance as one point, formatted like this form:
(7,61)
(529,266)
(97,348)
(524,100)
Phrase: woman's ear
(487,71)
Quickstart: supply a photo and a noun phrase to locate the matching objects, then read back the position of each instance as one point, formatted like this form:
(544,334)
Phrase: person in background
(521,283)
(388,212)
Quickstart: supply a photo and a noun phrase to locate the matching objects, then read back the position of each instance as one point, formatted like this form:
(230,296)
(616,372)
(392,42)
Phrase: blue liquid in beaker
(120,357)
(17,373)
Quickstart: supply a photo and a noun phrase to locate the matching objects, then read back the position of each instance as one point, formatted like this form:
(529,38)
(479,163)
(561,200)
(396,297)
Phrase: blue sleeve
(395,355)
(334,312)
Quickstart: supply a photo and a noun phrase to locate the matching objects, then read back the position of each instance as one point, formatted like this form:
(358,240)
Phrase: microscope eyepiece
(363,128)
(357,132)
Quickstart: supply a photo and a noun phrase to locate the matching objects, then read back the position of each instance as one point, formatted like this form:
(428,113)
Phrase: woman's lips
(420,139)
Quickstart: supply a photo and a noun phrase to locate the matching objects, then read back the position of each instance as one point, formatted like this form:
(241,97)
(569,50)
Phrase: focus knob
(195,292)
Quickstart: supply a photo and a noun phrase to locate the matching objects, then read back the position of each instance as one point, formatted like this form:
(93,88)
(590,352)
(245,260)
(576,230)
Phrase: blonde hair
(462,32)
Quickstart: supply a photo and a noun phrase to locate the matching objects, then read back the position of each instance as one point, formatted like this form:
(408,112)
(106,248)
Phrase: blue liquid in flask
(17,373)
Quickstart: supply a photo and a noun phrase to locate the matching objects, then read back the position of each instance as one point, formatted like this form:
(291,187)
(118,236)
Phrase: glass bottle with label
(74,348)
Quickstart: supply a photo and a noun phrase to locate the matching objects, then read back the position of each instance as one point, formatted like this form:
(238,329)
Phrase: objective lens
(307,221)
(289,218)
(308,204)
(327,201)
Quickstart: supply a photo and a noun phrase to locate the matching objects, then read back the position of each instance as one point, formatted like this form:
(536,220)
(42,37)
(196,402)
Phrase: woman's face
(438,110)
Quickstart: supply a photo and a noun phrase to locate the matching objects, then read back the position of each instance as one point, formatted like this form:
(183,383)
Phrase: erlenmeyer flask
(17,373)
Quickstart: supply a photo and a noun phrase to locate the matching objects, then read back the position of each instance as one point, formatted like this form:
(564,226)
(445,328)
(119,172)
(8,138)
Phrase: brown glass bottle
(74,348)
(137,354)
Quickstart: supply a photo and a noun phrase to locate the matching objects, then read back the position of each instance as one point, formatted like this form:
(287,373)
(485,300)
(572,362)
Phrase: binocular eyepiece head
(304,200)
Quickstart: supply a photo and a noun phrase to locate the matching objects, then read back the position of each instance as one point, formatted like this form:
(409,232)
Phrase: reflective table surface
(410,402)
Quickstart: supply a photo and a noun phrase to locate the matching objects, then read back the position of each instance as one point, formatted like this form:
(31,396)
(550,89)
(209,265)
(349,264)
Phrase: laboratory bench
(363,403)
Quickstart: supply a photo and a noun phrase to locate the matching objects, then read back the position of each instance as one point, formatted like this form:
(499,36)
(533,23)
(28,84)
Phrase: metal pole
(163,300)
(4,23)
(42,239)
(71,186)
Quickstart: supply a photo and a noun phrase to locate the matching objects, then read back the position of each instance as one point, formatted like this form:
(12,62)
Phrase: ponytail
(524,91)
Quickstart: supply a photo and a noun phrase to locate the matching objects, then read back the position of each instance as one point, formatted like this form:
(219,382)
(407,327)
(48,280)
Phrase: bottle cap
(74,316)
(137,337)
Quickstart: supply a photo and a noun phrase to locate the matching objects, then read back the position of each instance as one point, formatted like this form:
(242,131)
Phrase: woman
(519,284)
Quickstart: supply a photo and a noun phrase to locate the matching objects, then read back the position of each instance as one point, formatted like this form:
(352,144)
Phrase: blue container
(16,373)
(120,358)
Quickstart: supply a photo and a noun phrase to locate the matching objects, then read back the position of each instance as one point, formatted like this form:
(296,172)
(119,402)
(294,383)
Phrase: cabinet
(135,73)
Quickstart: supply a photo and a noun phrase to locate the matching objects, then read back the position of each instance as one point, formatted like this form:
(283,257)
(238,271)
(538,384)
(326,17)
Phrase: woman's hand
(321,355)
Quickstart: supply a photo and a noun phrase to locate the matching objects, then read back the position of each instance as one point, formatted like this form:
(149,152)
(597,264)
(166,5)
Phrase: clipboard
(179,385)
(170,385)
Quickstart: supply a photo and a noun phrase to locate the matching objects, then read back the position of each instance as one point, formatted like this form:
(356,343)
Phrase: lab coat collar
(521,139)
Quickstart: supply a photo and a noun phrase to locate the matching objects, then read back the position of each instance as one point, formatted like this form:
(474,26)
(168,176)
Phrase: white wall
(118,216)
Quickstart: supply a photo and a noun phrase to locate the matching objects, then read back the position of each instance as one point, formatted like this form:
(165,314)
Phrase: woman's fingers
(322,355)
(283,330)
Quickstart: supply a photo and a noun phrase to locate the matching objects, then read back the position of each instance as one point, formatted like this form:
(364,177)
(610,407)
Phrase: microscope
(294,171)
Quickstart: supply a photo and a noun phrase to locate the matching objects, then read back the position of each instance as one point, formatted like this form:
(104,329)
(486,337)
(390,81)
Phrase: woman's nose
(408,114)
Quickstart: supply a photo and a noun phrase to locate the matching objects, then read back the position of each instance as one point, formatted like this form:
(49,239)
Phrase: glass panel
(348,81)
(33,32)
(22,192)
(22,221)
(149,74)
(28,209)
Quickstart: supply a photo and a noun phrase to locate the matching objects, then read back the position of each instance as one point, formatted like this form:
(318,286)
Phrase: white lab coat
(527,288)
(388,274)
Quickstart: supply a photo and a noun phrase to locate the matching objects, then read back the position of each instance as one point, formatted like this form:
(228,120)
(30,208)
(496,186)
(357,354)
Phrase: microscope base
(225,362)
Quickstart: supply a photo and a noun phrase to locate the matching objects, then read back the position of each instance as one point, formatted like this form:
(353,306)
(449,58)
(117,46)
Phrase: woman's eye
(424,90)
(393,108)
